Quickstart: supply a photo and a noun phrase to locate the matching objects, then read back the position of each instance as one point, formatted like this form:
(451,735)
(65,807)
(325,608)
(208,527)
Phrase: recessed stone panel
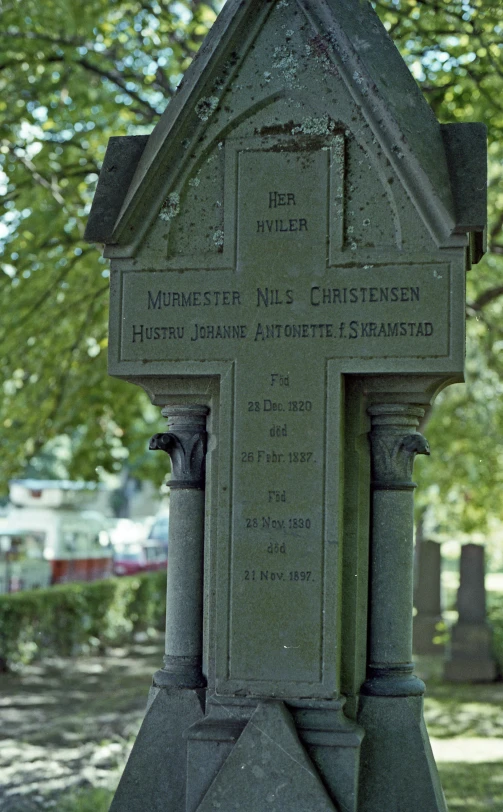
(283,209)
(384,312)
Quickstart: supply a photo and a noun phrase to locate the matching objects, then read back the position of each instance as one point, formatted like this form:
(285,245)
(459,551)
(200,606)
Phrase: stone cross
(288,251)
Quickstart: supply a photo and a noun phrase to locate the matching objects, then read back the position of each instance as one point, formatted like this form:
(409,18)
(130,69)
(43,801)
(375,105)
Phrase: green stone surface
(268,770)
(288,250)
(151,781)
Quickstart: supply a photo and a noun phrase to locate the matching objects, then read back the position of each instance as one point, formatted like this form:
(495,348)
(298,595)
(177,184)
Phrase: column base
(392,680)
(470,656)
(180,672)
(397,769)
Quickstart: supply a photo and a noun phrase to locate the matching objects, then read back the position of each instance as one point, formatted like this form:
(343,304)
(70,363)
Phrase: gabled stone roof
(435,165)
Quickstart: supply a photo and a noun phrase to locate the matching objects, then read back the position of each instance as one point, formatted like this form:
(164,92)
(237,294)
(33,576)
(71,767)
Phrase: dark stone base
(424,631)
(249,754)
(326,740)
(397,769)
(267,768)
(241,753)
(467,670)
(470,654)
(154,779)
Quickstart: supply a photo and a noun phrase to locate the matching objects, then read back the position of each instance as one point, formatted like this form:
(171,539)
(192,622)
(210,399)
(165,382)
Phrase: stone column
(185,442)
(397,766)
(470,650)
(427,599)
(395,442)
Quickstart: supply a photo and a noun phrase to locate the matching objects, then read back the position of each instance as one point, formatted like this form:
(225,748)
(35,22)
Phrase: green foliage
(67,619)
(75,74)
(462,482)
(454,49)
(72,75)
(495,617)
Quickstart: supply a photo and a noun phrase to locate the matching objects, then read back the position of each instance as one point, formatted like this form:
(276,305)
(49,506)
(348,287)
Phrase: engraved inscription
(298,576)
(341,296)
(281,199)
(278,541)
(268,296)
(274,331)
(289,218)
(395,329)
(161,299)
(281,226)
(387,319)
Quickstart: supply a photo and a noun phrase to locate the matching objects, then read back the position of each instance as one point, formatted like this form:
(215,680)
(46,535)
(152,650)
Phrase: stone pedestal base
(237,751)
(424,631)
(154,779)
(252,755)
(397,769)
(470,654)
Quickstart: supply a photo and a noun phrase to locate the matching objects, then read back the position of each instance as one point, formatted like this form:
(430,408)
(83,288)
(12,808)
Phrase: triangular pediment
(262,55)
(268,770)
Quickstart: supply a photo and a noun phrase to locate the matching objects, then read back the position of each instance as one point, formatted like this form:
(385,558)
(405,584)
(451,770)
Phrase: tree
(71,76)
(455,51)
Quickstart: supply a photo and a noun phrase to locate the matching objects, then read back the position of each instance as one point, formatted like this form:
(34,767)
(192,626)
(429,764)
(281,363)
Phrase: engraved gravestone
(288,251)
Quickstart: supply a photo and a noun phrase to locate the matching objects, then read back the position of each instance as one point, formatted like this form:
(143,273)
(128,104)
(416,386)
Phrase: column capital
(186,445)
(395,442)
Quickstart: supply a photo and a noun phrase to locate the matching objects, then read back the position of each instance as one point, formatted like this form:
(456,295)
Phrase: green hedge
(75,618)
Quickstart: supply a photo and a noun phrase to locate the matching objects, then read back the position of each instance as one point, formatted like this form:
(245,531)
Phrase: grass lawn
(465,724)
(472,787)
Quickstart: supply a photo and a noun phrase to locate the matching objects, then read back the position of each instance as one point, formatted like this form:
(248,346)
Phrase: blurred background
(82,503)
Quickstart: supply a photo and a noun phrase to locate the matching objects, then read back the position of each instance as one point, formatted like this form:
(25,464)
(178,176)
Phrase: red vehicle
(130,559)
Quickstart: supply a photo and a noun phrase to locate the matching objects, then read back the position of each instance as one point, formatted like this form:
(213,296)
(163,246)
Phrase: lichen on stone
(205,107)
(315,126)
(218,238)
(171,207)
(337,145)
(286,62)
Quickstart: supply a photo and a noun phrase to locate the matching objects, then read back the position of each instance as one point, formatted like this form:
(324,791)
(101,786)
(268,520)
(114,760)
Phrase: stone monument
(470,658)
(427,598)
(288,251)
